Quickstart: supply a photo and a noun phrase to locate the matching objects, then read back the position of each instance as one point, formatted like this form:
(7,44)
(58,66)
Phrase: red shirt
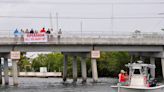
(121,77)
(43,31)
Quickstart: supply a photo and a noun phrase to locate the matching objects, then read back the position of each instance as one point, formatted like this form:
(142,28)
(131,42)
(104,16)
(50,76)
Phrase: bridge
(146,44)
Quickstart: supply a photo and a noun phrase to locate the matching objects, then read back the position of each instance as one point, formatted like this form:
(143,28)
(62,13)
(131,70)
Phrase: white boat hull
(138,89)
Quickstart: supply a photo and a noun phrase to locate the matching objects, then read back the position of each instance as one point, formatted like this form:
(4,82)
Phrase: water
(56,85)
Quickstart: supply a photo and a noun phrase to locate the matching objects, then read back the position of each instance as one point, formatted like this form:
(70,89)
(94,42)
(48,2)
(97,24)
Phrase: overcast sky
(118,16)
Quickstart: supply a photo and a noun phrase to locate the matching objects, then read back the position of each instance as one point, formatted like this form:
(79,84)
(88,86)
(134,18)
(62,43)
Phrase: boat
(139,80)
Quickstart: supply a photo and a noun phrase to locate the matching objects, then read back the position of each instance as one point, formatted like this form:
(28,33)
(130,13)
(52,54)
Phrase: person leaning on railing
(16,33)
(31,31)
(48,32)
(59,33)
(43,30)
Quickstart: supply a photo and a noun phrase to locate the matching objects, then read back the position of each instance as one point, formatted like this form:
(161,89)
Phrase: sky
(82,16)
(86,16)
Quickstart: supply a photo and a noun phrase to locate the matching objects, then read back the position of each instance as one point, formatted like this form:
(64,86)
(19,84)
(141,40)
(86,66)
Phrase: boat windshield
(137,71)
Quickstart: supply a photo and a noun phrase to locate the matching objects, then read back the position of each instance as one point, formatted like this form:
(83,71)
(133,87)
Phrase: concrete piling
(152,71)
(94,70)
(15,72)
(0,71)
(75,69)
(6,76)
(83,70)
(162,63)
(65,68)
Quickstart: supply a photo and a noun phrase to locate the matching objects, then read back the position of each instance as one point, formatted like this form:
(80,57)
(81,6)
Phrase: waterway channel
(56,85)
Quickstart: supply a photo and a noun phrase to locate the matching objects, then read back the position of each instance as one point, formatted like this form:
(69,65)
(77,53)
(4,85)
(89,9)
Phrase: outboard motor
(153,83)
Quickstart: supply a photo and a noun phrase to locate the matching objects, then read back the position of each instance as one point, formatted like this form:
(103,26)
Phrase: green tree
(23,62)
(111,63)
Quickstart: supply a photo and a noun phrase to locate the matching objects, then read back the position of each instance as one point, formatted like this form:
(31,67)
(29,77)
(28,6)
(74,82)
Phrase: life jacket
(121,77)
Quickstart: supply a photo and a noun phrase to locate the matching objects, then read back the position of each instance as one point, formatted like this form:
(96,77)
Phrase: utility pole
(81,28)
(57,25)
(51,22)
(112,28)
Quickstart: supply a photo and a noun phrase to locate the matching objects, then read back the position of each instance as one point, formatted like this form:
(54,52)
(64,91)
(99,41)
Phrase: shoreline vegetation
(108,65)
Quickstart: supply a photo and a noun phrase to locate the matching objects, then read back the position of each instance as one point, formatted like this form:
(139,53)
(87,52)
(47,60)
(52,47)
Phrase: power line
(98,18)
(78,3)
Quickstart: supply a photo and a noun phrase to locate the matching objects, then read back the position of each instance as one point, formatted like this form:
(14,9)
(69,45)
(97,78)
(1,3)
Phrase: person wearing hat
(121,76)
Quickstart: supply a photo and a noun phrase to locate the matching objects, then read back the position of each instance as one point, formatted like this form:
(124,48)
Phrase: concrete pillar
(83,70)
(75,69)
(6,76)
(162,63)
(94,70)
(142,58)
(15,72)
(0,70)
(132,59)
(152,71)
(65,68)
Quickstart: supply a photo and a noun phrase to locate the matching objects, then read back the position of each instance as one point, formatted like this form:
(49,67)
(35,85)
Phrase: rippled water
(56,85)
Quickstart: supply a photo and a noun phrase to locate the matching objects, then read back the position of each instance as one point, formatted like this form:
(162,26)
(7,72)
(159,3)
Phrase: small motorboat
(139,79)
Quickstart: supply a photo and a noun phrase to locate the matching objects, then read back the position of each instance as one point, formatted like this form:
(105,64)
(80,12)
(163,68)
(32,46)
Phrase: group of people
(18,33)
(123,77)
(49,31)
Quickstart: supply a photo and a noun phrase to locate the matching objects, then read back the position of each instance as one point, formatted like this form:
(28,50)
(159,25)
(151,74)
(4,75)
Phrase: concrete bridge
(149,45)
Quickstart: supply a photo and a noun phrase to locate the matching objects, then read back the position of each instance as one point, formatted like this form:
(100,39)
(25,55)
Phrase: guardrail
(66,33)
(95,38)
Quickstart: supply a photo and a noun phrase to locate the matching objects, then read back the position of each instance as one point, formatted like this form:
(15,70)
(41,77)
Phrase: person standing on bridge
(31,31)
(43,30)
(59,33)
(48,32)
(16,33)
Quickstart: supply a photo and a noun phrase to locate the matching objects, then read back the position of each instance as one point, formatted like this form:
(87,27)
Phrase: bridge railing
(98,38)
(96,34)
(112,35)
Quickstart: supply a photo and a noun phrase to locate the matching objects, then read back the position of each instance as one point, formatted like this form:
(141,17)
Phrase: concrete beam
(131,48)
(25,47)
(149,54)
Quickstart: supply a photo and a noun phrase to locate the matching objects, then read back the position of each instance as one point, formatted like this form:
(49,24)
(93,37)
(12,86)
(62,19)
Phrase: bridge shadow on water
(56,85)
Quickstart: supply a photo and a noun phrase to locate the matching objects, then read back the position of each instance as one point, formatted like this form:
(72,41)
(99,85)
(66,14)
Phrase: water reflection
(56,85)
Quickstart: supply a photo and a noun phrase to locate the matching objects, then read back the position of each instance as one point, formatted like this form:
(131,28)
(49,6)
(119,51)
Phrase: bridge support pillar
(142,58)
(6,76)
(15,72)
(162,63)
(132,58)
(94,70)
(75,69)
(65,68)
(0,70)
(83,70)
(152,71)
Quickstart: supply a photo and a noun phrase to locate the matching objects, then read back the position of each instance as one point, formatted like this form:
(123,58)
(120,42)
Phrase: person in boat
(126,76)
(123,77)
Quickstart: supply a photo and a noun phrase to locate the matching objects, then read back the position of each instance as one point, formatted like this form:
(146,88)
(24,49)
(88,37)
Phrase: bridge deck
(87,41)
